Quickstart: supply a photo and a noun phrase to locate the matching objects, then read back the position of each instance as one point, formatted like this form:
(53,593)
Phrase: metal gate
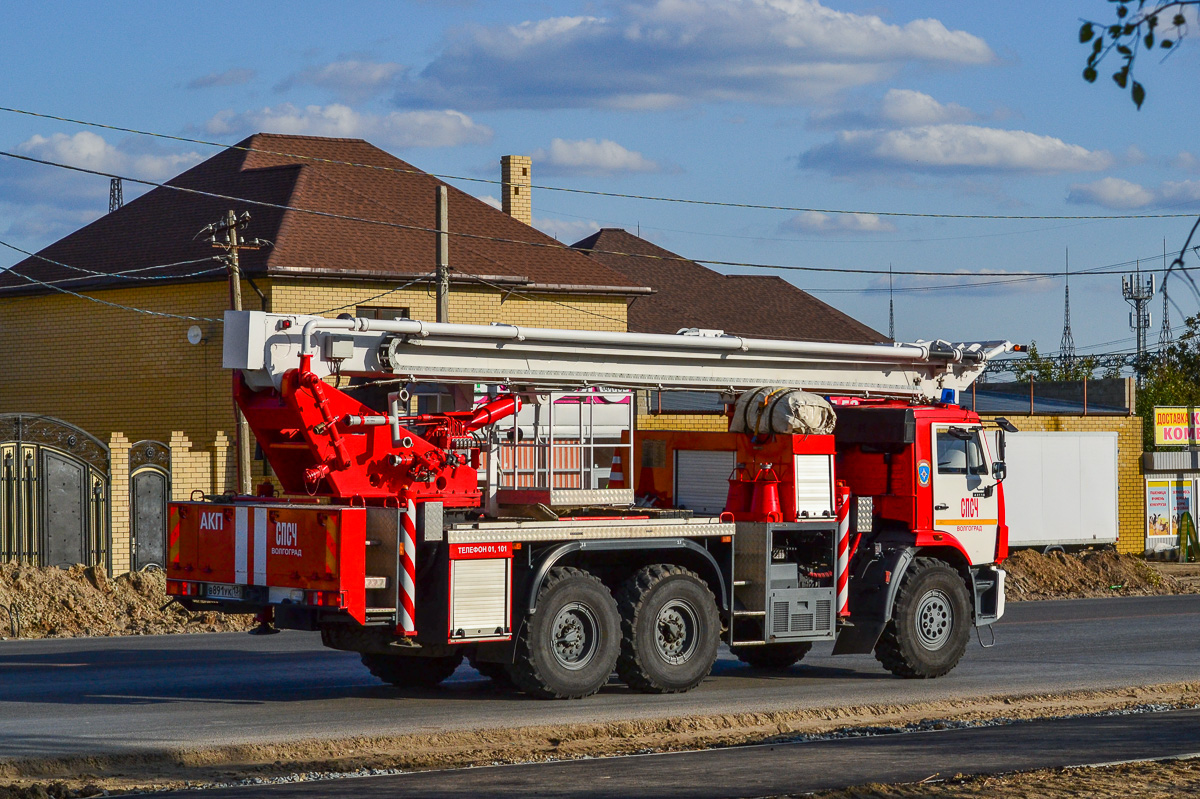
(54,501)
(149,492)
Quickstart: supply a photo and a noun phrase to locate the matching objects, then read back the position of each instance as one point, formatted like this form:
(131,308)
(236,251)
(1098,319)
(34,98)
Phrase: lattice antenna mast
(891,309)
(116,196)
(1164,332)
(1066,348)
(1138,292)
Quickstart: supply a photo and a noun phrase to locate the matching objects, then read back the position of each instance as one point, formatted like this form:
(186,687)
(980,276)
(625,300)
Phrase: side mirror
(999,470)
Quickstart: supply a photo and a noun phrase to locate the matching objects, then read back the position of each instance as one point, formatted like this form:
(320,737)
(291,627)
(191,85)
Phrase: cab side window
(951,454)
(976,463)
(960,456)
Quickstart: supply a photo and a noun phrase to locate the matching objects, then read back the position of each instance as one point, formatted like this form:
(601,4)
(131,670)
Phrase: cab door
(965,500)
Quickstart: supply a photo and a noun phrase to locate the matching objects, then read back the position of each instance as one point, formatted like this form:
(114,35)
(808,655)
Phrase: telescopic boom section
(266,346)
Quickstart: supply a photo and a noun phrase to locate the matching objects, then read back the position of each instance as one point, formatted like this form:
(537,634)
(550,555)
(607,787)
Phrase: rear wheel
(772,656)
(409,671)
(569,646)
(930,623)
(670,628)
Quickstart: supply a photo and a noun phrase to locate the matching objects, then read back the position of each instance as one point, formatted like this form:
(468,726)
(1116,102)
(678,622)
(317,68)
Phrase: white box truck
(1061,489)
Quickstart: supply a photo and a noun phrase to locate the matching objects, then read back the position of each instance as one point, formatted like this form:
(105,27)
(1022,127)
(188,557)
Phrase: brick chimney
(514,174)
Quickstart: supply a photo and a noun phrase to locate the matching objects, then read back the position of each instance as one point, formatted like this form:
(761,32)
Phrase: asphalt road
(770,770)
(80,696)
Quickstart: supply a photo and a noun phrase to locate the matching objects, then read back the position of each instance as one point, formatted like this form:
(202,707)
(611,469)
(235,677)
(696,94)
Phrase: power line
(125,275)
(594,192)
(96,300)
(502,240)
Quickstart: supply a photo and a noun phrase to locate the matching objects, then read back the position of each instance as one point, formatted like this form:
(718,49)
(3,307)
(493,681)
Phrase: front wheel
(930,623)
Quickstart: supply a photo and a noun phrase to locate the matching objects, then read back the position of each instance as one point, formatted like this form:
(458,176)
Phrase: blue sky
(918,107)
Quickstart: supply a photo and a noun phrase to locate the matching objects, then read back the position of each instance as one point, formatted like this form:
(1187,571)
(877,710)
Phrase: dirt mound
(1060,575)
(84,601)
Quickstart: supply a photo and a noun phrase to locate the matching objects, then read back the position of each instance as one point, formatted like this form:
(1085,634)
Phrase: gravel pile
(84,601)
(1059,575)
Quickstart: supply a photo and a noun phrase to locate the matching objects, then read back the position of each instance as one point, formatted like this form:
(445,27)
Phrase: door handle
(941,506)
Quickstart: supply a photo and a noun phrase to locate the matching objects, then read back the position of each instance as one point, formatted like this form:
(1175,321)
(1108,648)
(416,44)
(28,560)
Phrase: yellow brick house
(96,325)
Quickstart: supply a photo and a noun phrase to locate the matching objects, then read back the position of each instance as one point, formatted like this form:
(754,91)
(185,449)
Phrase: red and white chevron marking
(408,571)
(843,549)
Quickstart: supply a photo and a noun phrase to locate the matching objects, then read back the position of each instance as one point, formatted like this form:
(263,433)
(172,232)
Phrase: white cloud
(1121,195)
(590,157)
(898,108)
(1111,193)
(230,77)
(907,107)
(657,54)
(1134,155)
(88,150)
(1185,162)
(953,148)
(396,129)
(817,222)
(490,200)
(350,80)
(24,182)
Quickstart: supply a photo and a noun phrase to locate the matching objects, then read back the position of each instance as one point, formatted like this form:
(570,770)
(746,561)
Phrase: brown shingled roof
(691,295)
(159,227)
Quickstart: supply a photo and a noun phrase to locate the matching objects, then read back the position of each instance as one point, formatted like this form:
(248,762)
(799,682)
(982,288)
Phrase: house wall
(125,376)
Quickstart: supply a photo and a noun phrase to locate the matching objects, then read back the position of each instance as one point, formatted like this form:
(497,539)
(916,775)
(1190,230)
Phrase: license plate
(223,591)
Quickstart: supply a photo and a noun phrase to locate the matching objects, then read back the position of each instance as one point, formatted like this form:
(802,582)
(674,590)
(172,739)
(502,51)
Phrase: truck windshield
(959,456)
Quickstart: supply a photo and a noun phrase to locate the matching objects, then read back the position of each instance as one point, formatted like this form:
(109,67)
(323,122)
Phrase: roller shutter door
(702,480)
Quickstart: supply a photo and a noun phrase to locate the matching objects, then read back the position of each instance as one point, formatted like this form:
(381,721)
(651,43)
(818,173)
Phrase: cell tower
(891,309)
(1138,291)
(1066,348)
(116,197)
(1164,332)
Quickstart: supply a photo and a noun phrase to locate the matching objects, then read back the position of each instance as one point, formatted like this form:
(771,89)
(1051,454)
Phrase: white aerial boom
(266,345)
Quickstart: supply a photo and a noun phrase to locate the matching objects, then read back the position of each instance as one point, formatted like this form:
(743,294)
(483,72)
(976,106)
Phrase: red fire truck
(454,491)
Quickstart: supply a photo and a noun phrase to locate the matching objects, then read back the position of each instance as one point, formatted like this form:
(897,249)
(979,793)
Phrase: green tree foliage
(1139,27)
(1040,368)
(1172,378)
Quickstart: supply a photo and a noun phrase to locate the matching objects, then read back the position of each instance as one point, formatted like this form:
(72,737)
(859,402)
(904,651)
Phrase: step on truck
(485,492)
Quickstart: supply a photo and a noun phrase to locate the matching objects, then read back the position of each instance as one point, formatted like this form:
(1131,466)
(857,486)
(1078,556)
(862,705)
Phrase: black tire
(496,672)
(567,649)
(408,671)
(930,624)
(774,657)
(670,630)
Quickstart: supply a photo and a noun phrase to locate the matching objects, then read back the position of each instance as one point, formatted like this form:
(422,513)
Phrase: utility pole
(1138,293)
(1164,332)
(232,244)
(116,195)
(443,256)
(891,309)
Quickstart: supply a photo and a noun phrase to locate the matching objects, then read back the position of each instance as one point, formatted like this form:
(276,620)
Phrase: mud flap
(873,589)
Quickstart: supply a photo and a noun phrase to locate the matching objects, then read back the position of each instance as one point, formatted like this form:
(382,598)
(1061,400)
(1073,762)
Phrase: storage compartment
(480,592)
(800,614)
(784,581)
